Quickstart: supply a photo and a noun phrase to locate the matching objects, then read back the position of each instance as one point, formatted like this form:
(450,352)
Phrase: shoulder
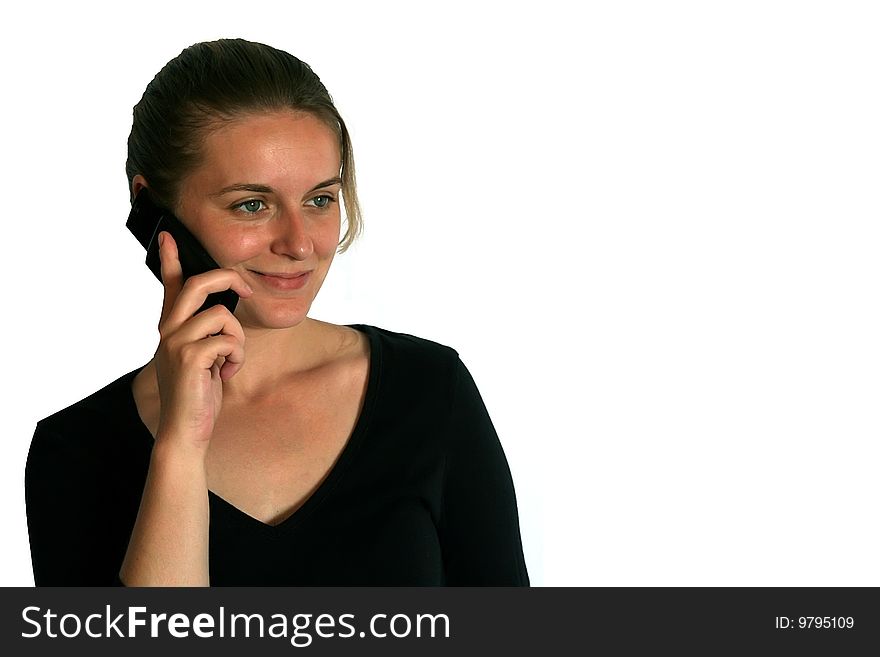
(411,369)
(409,351)
(87,426)
(407,344)
(96,407)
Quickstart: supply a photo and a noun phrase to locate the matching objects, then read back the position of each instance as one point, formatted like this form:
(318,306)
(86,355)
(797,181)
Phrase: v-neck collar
(338,469)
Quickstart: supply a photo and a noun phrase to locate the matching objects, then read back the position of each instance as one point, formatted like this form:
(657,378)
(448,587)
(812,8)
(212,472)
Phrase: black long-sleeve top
(421,494)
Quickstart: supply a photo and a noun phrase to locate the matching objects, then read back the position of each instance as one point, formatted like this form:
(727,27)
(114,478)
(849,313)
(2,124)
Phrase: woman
(263,447)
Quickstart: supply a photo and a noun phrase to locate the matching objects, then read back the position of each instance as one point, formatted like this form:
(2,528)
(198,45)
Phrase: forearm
(169,542)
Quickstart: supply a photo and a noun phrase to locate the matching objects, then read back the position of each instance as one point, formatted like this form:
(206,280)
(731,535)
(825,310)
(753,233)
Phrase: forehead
(294,148)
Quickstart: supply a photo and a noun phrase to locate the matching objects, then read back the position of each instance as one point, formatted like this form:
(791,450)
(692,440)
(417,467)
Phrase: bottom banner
(441,621)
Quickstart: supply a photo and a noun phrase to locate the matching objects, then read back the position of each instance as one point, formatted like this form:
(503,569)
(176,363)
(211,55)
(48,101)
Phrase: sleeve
(479,523)
(67,515)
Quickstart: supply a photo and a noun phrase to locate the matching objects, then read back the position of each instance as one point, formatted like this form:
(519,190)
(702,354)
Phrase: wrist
(172,452)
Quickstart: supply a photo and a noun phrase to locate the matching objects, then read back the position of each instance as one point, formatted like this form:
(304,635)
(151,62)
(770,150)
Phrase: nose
(291,237)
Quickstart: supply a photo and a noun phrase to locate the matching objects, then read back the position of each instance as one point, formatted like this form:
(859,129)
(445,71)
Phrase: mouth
(283,280)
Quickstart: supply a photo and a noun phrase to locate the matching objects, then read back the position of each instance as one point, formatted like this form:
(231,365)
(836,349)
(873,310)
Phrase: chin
(281,316)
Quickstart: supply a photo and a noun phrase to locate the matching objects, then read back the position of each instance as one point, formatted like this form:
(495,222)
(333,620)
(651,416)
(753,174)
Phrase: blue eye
(323,201)
(250,207)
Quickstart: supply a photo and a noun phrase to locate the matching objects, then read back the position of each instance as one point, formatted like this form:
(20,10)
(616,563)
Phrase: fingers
(197,288)
(210,340)
(172,273)
(208,352)
(214,321)
(229,370)
(183,298)
(213,339)
(225,370)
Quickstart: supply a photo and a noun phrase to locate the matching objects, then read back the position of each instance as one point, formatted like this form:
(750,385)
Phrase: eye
(250,207)
(323,200)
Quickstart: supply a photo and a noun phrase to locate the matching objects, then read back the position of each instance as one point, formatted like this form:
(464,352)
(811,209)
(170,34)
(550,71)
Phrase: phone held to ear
(147,220)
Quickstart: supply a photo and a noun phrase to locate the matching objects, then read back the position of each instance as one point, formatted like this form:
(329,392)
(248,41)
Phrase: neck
(272,356)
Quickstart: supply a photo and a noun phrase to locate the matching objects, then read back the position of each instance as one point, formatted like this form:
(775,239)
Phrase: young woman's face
(265,202)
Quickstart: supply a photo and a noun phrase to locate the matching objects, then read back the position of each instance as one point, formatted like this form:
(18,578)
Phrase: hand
(196,352)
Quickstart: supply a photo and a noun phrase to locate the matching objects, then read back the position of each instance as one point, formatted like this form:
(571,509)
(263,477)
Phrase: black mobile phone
(147,220)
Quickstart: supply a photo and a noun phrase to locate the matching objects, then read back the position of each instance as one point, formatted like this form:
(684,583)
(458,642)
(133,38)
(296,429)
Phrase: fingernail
(161,239)
(249,288)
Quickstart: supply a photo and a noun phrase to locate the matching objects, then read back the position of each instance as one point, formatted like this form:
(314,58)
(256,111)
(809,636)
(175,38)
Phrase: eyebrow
(265,189)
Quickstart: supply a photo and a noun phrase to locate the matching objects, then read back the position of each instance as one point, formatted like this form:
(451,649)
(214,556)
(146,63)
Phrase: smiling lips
(282,281)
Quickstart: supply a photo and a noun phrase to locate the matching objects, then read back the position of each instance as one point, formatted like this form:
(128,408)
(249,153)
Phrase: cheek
(326,244)
(326,238)
(238,246)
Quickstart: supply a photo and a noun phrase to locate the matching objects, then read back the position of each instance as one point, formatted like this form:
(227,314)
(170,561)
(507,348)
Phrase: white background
(650,229)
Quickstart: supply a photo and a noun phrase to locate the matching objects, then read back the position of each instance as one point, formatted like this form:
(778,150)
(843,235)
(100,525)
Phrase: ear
(137,184)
